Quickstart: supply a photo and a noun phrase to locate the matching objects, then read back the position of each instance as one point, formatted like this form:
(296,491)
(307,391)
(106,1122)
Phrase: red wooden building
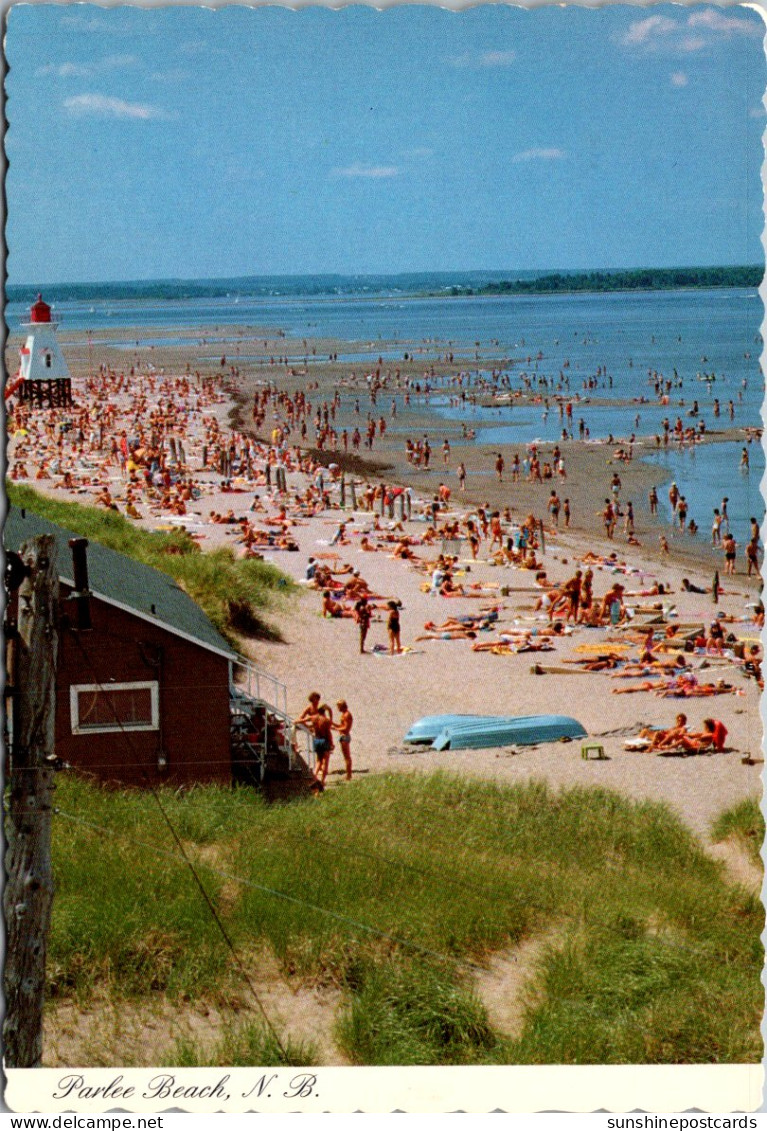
(149,692)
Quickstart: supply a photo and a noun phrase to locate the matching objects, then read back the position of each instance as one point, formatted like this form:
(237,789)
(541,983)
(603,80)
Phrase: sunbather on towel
(712,736)
(666,739)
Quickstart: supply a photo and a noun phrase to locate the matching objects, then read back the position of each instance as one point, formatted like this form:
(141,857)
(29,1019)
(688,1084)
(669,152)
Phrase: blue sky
(185,142)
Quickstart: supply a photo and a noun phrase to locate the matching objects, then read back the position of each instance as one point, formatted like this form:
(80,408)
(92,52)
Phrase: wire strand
(357,923)
(193,871)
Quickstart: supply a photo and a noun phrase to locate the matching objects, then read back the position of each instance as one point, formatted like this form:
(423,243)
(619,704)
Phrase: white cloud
(692,43)
(699,30)
(641,32)
(539,154)
(757,112)
(102,106)
(679,78)
(358,170)
(86,70)
(490,58)
(715,21)
(418,151)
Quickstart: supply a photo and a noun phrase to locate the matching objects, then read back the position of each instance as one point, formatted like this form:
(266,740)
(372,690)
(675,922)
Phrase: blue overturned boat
(466,732)
(426,729)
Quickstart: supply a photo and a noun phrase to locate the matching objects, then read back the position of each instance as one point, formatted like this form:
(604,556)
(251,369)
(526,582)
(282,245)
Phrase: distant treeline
(649,279)
(412,285)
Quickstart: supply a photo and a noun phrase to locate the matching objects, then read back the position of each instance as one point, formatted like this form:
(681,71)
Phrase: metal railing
(260,685)
(257,689)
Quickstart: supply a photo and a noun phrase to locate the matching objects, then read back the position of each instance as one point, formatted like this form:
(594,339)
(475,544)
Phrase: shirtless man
(614,596)
(319,720)
(331,608)
(665,739)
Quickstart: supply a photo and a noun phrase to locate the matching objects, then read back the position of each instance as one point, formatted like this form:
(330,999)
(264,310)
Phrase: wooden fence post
(28,895)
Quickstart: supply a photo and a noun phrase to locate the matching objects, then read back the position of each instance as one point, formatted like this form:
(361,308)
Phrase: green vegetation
(371,287)
(396,891)
(232,591)
(743,822)
(649,279)
(240,1046)
(412,1013)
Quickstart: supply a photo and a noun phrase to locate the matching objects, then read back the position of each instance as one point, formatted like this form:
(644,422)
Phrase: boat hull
(425,730)
(523,731)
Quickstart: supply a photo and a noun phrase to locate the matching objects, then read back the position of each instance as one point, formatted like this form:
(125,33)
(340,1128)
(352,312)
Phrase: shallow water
(566,340)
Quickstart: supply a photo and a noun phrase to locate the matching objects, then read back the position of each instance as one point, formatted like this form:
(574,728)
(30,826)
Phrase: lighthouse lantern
(43,376)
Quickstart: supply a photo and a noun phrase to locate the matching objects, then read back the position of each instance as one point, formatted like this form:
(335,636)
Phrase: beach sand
(388,693)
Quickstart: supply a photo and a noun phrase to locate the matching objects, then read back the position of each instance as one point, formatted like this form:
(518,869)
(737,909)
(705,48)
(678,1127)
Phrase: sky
(186,142)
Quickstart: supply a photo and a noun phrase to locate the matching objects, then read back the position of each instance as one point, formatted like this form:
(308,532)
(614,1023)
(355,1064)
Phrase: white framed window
(101,708)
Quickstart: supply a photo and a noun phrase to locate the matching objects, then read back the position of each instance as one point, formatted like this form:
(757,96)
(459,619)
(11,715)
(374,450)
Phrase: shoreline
(588,462)
(321,652)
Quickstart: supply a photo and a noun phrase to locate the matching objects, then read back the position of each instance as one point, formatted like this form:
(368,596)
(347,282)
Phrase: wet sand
(388,693)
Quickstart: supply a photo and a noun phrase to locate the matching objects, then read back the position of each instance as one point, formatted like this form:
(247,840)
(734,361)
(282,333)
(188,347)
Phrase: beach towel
(636,744)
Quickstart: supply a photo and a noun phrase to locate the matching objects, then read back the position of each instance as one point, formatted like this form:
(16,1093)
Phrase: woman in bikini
(344,728)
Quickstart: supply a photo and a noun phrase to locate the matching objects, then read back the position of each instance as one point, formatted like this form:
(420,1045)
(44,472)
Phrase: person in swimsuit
(363,615)
(331,608)
(344,728)
(393,627)
(319,720)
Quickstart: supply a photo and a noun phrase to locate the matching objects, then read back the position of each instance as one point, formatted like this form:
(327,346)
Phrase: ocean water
(705,475)
(707,342)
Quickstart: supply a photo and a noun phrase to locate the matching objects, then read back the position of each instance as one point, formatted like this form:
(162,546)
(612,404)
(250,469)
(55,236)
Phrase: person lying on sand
(712,736)
(599,663)
(690,588)
(685,686)
(663,739)
(522,640)
(654,666)
(455,632)
(646,685)
(469,620)
(657,590)
(513,647)
(331,608)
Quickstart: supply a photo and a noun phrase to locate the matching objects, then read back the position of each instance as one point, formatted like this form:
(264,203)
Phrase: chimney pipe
(82,595)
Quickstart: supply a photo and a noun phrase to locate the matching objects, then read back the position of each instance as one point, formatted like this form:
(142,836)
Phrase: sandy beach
(387,693)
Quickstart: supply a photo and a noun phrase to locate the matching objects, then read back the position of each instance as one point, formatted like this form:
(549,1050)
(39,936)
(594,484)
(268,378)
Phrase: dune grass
(234,592)
(396,890)
(744,823)
(240,1046)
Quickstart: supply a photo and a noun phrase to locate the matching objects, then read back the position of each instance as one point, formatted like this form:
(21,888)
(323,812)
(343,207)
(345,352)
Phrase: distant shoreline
(603,282)
(416,285)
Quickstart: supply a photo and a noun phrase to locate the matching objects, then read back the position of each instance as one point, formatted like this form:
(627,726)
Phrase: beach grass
(241,1045)
(415,1014)
(397,891)
(743,823)
(235,593)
